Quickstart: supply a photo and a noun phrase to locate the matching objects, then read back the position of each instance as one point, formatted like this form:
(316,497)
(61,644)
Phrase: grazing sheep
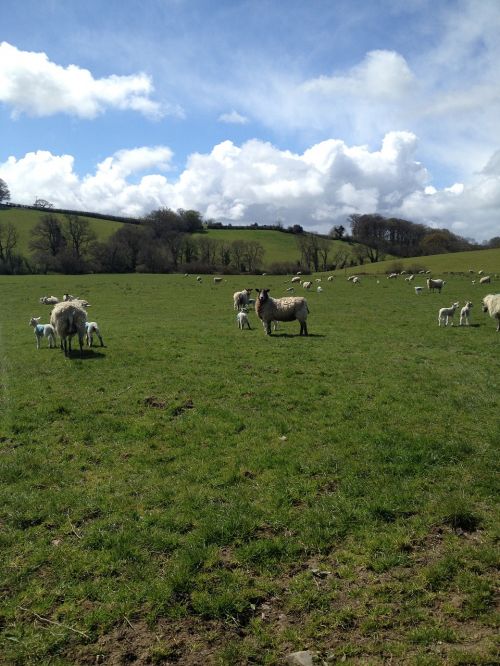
(356,280)
(446,314)
(240,299)
(68,319)
(418,290)
(410,278)
(351,277)
(464,313)
(295,279)
(92,327)
(318,280)
(485,280)
(491,305)
(435,284)
(392,276)
(319,289)
(217,280)
(69,297)
(43,331)
(473,282)
(242,319)
(198,278)
(291,289)
(330,278)
(307,285)
(289,308)
(480,272)
(49,300)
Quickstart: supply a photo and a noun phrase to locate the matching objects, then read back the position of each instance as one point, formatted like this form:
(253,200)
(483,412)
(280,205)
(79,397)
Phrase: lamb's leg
(37,342)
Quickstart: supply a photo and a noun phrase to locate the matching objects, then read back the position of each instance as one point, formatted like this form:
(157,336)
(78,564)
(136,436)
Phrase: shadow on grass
(296,335)
(86,355)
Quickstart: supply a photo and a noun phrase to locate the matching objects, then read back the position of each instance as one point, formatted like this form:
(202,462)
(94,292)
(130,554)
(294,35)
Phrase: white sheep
(491,305)
(240,298)
(49,300)
(291,290)
(319,289)
(307,285)
(464,313)
(485,280)
(330,278)
(198,278)
(289,308)
(418,290)
(296,278)
(43,331)
(351,277)
(446,314)
(356,280)
(435,284)
(91,328)
(69,297)
(410,278)
(68,319)
(242,319)
(392,276)
(217,280)
(480,272)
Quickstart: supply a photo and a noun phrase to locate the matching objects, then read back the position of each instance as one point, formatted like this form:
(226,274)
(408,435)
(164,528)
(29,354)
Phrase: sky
(256,110)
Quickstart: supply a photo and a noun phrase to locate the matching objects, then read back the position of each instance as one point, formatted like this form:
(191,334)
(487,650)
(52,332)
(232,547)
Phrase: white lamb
(464,313)
(485,280)
(49,300)
(330,278)
(319,289)
(242,319)
(307,285)
(289,308)
(446,314)
(240,299)
(68,319)
(91,328)
(217,280)
(43,331)
(418,290)
(491,305)
(198,278)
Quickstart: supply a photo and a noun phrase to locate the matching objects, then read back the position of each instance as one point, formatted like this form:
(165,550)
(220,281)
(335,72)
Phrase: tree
(8,241)
(253,255)
(43,203)
(4,191)
(324,248)
(47,236)
(130,238)
(337,233)
(79,235)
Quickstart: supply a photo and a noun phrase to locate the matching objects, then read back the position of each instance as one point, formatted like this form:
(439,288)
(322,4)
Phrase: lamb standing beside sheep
(68,319)
(43,331)
(240,299)
(289,308)
(91,328)
(242,319)
(464,313)
(491,305)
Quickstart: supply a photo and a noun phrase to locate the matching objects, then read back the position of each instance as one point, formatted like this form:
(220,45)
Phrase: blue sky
(256,111)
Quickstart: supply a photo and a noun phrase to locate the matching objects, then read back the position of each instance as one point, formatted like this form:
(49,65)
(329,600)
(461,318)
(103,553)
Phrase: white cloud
(30,83)
(233,118)
(259,182)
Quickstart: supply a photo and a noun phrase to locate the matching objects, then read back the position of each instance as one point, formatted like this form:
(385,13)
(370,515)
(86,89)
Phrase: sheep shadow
(86,355)
(296,335)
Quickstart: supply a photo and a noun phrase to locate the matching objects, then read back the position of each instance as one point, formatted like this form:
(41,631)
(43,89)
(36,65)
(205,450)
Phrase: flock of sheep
(68,318)
(290,308)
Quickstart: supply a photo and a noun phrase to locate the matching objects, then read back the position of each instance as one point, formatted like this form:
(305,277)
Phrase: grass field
(196,494)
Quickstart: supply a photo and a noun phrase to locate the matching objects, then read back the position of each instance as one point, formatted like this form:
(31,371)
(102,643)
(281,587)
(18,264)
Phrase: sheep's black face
(263,295)
(485,308)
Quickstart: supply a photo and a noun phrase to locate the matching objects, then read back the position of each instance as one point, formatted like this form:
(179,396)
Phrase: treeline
(381,235)
(161,242)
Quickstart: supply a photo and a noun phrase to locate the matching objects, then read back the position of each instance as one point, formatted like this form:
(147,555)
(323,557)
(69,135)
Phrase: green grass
(200,494)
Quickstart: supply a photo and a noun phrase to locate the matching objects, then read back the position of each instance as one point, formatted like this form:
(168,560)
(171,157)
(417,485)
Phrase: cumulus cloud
(257,182)
(233,118)
(30,83)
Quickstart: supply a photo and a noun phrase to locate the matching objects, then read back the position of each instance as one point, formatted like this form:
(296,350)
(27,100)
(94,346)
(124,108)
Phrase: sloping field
(196,494)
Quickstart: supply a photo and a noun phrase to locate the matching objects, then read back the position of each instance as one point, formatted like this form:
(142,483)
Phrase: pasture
(196,494)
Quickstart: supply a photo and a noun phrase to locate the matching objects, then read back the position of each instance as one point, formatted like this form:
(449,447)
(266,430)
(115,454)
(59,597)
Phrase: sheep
(356,280)
(319,289)
(217,280)
(49,300)
(289,308)
(240,298)
(473,282)
(418,290)
(92,327)
(464,313)
(410,278)
(295,279)
(491,305)
(68,319)
(330,278)
(435,284)
(242,319)
(480,272)
(291,290)
(198,278)
(307,285)
(446,314)
(69,297)
(392,276)
(43,331)
(351,277)
(485,280)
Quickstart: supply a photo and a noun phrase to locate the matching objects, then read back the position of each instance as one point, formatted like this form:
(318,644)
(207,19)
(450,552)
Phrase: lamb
(464,313)
(418,290)
(435,284)
(289,308)
(307,285)
(198,278)
(43,331)
(410,278)
(446,314)
(49,300)
(319,289)
(92,327)
(68,319)
(485,280)
(242,319)
(240,298)
(491,305)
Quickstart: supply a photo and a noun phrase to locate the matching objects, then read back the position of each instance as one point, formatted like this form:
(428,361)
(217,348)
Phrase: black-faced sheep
(491,305)
(289,308)
(68,319)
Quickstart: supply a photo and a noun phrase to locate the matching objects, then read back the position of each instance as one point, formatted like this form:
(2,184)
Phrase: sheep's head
(485,307)
(34,321)
(263,295)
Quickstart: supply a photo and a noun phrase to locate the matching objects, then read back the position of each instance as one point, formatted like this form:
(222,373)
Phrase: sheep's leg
(37,342)
(102,341)
(268,328)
